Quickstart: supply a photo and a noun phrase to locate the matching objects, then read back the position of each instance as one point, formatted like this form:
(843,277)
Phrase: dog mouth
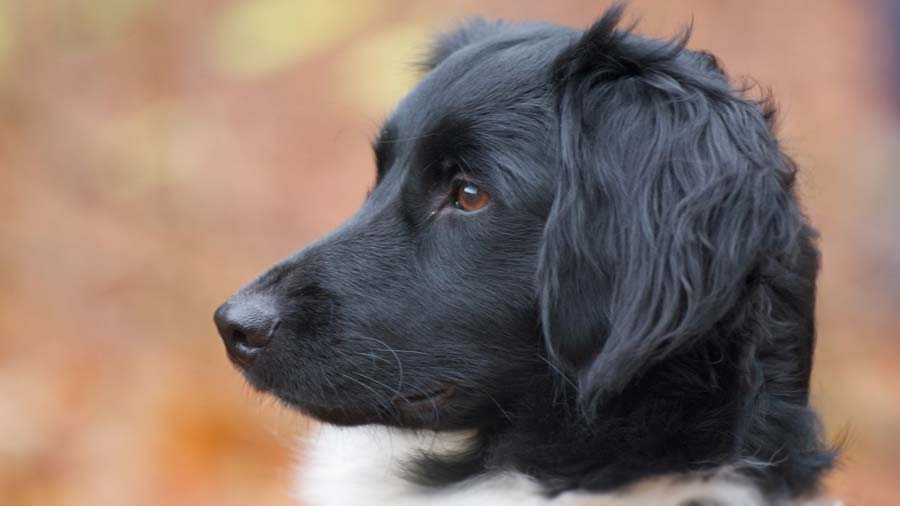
(425,399)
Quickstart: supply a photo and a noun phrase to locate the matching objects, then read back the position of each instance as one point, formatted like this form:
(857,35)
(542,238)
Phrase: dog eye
(470,198)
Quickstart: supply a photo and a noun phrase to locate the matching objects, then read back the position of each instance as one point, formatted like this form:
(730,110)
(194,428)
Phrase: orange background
(156,155)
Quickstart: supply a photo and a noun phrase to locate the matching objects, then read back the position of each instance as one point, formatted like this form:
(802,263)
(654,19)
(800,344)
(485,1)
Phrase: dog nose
(246,325)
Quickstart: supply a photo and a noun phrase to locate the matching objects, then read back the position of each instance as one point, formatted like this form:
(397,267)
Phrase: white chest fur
(363,466)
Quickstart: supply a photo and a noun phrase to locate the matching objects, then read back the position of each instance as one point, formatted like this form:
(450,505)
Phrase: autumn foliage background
(156,155)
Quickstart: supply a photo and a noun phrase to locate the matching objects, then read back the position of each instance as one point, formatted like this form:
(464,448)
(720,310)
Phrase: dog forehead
(498,90)
(490,102)
(503,73)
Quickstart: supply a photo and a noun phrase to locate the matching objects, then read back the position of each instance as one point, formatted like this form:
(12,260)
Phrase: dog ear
(671,193)
(468,33)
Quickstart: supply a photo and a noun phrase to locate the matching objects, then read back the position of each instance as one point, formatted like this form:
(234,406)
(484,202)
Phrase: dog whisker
(378,395)
(389,349)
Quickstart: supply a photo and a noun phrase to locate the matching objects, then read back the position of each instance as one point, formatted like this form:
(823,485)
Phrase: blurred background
(156,155)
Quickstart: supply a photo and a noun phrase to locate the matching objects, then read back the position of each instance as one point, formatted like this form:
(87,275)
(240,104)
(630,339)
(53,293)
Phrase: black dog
(583,259)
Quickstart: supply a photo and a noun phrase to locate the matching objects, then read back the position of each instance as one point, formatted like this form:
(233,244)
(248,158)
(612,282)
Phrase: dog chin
(431,414)
(356,414)
(340,415)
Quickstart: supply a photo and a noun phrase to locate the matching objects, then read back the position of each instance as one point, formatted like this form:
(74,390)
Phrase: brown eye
(470,198)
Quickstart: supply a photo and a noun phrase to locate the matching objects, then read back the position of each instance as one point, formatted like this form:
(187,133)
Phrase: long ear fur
(672,191)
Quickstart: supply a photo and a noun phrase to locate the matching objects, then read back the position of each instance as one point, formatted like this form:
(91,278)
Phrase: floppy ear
(448,43)
(671,192)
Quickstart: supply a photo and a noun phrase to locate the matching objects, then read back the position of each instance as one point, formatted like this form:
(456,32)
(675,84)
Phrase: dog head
(550,207)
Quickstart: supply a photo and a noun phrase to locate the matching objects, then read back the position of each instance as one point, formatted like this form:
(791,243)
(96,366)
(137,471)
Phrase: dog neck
(365,466)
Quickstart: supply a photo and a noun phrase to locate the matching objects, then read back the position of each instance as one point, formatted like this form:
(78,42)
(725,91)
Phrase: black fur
(636,299)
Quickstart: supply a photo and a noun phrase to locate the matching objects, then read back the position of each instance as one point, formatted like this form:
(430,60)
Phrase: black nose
(246,324)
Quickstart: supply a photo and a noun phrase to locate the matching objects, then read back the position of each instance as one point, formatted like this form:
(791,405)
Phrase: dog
(582,277)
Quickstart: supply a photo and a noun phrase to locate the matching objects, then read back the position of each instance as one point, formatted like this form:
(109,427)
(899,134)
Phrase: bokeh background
(156,155)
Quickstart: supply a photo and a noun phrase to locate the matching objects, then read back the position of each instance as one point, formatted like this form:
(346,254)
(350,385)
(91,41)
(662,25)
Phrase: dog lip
(425,400)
